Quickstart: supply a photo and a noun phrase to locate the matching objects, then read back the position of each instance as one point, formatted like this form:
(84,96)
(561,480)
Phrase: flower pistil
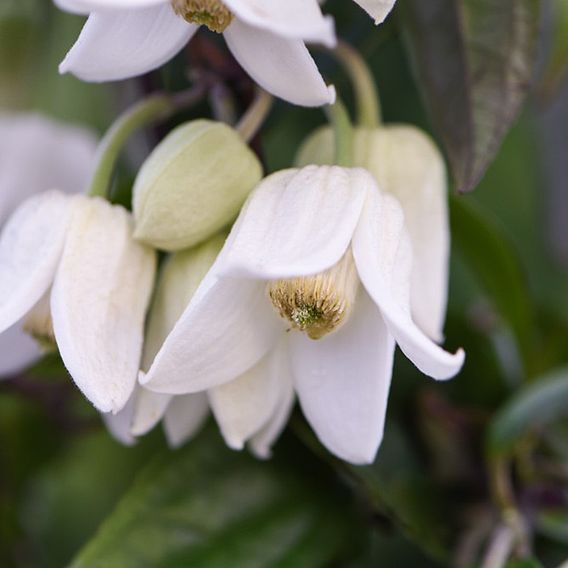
(211,13)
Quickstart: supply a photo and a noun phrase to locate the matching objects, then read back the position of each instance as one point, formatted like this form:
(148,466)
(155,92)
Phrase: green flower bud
(192,185)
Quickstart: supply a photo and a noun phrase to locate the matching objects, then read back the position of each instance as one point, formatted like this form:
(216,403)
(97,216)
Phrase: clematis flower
(406,163)
(125,38)
(71,265)
(309,294)
(30,161)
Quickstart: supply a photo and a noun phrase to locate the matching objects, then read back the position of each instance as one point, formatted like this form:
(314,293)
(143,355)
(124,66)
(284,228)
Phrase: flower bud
(406,163)
(192,185)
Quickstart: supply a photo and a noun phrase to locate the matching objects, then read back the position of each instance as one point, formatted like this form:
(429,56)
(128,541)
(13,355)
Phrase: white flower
(183,415)
(125,38)
(71,262)
(37,153)
(377,9)
(345,247)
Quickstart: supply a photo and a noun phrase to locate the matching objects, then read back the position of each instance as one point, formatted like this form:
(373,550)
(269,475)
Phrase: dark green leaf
(474,60)
(540,404)
(208,506)
(524,563)
(488,253)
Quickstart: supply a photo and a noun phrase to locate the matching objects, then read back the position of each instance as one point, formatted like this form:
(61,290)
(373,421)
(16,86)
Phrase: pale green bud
(192,185)
(180,276)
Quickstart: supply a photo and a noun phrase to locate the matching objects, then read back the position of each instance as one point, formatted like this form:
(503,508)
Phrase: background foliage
(462,463)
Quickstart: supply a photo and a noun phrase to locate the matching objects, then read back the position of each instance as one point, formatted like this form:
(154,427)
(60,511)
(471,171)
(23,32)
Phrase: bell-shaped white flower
(79,252)
(325,248)
(125,38)
(377,9)
(30,162)
(183,415)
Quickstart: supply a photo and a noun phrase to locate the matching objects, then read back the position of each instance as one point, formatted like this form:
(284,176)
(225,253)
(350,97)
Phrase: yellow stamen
(319,304)
(211,13)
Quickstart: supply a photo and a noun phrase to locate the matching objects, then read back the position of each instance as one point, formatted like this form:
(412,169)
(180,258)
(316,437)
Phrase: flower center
(39,325)
(319,304)
(211,13)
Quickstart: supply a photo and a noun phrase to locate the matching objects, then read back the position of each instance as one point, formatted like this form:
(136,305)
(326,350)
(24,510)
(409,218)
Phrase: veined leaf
(474,60)
(208,506)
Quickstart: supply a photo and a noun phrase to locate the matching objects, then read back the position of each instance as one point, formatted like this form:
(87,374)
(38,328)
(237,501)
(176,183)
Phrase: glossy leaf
(491,257)
(474,61)
(543,402)
(208,506)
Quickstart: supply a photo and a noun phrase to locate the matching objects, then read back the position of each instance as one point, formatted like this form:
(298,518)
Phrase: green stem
(255,116)
(343,133)
(366,93)
(154,108)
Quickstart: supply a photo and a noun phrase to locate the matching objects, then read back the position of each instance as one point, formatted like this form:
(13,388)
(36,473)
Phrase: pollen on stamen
(211,13)
(319,304)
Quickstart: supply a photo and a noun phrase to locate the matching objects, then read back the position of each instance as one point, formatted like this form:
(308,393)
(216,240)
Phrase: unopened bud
(192,185)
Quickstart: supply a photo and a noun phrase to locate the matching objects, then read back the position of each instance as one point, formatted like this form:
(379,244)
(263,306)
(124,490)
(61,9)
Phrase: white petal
(261,443)
(30,161)
(119,44)
(383,255)
(300,19)
(343,382)
(119,424)
(30,249)
(407,164)
(86,6)
(244,406)
(184,417)
(296,222)
(149,409)
(282,66)
(377,9)
(227,328)
(17,351)
(99,300)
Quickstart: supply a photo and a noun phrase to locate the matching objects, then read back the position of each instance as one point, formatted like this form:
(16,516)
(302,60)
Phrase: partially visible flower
(406,163)
(377,9)
(74,258)
(37,153)
(125,38)
(183,415)
(193,184)
(324,249)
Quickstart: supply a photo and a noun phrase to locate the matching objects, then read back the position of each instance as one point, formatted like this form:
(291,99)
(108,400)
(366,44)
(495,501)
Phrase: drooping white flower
(37,153)
(331,253)
(183,415)
(377,9)
(74,259)
(125,38)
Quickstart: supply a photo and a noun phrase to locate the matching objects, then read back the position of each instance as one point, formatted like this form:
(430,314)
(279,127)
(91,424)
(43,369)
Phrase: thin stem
(500,548)
(343,133)
(366,92)
(151,109)
(255,116)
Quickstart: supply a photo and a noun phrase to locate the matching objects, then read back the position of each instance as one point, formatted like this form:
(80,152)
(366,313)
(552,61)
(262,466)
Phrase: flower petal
(30,248)
(300,19)
(244,406)
(383,255)
(28,139)
(119,44)
(377,9)
(261,443)
(86,6)
(184,417)
(343,382)
(119,424)
(17,351)
(296,222)
(99,300)
(227,328)
(149,409)
(282,66)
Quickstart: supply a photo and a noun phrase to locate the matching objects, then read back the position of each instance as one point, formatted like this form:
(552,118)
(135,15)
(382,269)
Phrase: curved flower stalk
(319,250)
(30,162)
(406,163)
(125,38)
(70,263)
(183,415)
